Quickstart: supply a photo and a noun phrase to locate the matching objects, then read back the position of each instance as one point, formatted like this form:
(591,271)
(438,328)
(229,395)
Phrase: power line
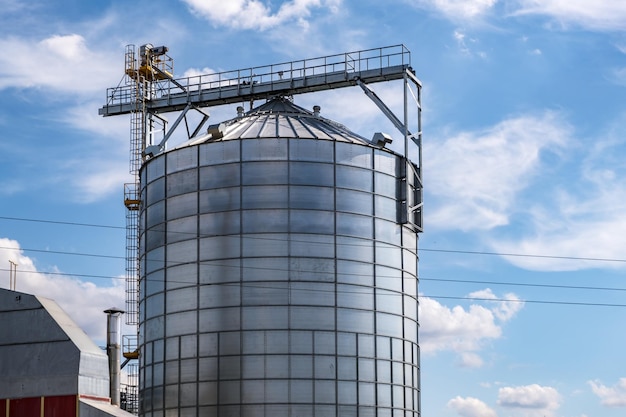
(396,293)
(94,255)
(65,223)
(348,244)
(390,293)
(522,284)
(420,249)
(461,281)
(572,303)
(574,258)
(68,274)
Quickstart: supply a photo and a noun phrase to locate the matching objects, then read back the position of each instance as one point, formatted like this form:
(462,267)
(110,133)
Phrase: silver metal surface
(92,408)
(278,273)
(44,353)
(114,352)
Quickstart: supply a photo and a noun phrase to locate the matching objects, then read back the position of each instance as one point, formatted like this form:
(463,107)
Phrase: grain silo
(278,260)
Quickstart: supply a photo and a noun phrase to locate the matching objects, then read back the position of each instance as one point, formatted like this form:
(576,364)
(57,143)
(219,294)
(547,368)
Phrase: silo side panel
(277,280)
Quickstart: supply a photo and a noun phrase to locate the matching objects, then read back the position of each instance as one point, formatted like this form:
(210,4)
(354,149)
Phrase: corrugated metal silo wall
(277,281)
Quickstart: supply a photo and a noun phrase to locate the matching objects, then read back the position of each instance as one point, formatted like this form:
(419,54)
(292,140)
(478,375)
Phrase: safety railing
(349,62)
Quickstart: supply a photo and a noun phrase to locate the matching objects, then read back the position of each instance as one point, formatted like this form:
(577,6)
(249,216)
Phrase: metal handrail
(349,62)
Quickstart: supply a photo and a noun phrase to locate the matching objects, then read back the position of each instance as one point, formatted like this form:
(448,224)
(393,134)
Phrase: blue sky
(524,143)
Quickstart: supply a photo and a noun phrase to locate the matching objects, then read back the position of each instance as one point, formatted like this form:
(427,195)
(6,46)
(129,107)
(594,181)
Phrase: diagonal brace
(386,110)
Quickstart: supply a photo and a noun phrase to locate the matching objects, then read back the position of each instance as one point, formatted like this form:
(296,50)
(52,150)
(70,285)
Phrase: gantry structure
(149,91)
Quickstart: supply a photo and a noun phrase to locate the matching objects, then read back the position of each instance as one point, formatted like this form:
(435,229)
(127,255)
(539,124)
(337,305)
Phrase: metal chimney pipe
(114,352)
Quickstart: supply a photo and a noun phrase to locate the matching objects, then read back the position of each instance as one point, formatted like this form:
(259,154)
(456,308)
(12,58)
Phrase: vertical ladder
(129,395)
(137,85)
(129,391)
(132,202)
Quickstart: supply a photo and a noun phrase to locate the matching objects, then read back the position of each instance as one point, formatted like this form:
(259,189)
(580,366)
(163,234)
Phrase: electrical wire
(460,281)
(389,292)
(521,255)
(523,284)
(93,255)
(68,274)
(572,258)
(571,303)
(65,223)
(588,288)
(421,249)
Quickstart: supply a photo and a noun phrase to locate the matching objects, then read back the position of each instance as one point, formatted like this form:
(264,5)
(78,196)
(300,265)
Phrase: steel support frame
(412,91)
(169,95)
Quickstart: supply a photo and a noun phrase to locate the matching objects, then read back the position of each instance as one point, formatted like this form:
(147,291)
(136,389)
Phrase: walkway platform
(258,83)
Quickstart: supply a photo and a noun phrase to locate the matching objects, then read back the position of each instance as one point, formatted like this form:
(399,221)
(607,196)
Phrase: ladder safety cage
(145,75)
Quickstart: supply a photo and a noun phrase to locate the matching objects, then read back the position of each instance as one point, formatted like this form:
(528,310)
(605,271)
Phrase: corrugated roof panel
(281,118)
(286,129)
(269,126)
(250,128)
(91,407)
(313,126)
(304,129)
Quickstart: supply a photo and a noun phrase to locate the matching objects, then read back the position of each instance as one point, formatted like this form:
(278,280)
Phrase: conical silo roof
(281,118)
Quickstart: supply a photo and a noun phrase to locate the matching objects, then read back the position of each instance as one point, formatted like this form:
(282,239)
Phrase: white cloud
(459,37)
(83,301)
(535,399)
(456,329)
(197,73)
(618,76)
(101,179)
(71,47)
(12,6)
(459,9)
(462,331)
(471,407)
(467,44)
(55,67)
(85,117)
(614,396)
(581,229)
(475,176)
(63,63)
(503,310)
(470,360)
(208,78)
(100,164)
(602,15)
(257,14)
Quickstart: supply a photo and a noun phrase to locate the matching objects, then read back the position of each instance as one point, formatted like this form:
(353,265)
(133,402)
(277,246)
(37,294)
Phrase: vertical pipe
(405,80)
(113,352)
(12,275)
